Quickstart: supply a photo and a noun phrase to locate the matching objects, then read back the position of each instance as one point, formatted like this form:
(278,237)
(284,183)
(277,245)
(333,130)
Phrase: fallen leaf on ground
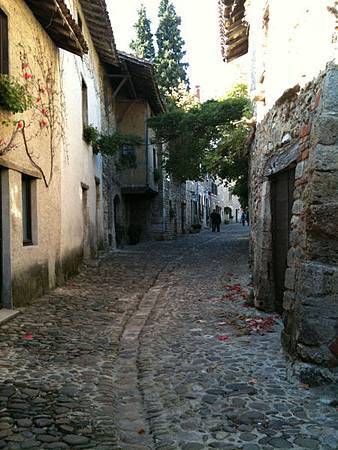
(223,338)
(27,337)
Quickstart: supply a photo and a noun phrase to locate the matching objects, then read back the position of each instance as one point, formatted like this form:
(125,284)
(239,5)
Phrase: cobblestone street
(155,347)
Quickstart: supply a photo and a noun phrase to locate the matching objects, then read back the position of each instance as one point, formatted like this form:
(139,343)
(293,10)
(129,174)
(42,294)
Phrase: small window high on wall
(84,104)
(3,43)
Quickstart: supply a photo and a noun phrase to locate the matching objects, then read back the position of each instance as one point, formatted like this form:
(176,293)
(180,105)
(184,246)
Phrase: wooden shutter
(3,43)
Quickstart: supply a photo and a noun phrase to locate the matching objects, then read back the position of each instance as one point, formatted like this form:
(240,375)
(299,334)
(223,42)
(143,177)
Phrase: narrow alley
(154,346)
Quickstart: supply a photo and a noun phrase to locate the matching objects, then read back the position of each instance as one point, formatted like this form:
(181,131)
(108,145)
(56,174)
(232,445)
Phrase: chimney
(198,92)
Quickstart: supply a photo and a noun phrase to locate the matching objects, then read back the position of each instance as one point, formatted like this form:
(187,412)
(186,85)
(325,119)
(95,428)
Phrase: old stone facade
(300,135)
(294,86)
(202,197)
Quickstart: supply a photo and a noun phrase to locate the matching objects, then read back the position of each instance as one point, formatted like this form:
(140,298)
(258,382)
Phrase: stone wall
(301,130)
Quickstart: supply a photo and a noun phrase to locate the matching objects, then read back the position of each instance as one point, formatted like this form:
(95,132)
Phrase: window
(214,189)
(3,43)
(27,210)
(84,104)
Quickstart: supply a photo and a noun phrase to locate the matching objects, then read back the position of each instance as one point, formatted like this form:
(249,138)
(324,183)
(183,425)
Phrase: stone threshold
(8,314)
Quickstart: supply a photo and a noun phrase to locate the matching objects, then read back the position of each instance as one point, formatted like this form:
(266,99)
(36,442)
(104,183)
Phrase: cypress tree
(171,71)
(143,46)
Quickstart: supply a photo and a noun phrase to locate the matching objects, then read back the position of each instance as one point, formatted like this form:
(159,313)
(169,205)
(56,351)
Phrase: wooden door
(1,271)
(282,201)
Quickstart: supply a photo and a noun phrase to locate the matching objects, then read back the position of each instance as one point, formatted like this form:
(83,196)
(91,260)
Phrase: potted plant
(90,135)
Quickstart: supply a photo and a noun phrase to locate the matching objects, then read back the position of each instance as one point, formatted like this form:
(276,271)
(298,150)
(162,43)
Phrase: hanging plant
(90,134)
(110,144)
(14,97)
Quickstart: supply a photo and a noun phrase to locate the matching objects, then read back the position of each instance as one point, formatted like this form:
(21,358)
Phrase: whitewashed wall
(79,166)
(292,47)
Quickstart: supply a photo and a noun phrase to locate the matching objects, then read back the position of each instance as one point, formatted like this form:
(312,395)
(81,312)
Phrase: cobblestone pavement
(154,347)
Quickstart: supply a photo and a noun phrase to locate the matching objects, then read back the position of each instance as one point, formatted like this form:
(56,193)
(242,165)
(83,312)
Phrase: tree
(207,139)
(180,98)
(142,45)
(169,65)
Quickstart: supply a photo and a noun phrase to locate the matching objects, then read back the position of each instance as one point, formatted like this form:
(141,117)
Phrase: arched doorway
(117,220)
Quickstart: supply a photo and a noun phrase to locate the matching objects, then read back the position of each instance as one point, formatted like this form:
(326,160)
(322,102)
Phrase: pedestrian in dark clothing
(215,220)
(243,218)
(247,217)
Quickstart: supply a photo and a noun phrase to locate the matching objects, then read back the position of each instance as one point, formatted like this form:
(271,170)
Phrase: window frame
(84,103)
(4,50)
(27,210)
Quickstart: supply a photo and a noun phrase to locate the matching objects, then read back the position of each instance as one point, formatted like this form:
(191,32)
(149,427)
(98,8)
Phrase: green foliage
(180,98)
(14,96)
(208,138)
(230,160)
(157,175)
(143,46)
(191,135)
(90,134)
(169,67)
(110,144)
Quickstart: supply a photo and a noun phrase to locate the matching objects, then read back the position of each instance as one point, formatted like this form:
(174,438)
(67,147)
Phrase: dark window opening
(84,104)
(4,67)
(27,210)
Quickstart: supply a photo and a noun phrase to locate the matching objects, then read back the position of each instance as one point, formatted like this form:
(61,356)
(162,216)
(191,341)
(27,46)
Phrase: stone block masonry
(310,307)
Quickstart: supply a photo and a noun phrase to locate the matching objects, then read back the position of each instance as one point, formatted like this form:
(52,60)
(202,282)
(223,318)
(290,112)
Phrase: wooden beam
(237,41)
(119,87)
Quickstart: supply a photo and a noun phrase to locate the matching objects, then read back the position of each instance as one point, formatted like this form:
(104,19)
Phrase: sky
(200,32)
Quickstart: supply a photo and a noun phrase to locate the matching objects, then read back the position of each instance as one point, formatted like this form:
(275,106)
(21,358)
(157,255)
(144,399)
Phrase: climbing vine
(32,108)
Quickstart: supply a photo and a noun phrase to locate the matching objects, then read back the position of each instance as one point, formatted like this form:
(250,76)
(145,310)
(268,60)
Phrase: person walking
(243,218)
(215,220)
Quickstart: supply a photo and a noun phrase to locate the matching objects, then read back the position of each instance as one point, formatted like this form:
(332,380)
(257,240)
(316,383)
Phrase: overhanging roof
(98,22)
(56,19)
(234,30)
(142,78)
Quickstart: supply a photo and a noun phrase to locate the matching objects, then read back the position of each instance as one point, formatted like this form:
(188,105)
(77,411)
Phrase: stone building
(31,144)
(202,197)
(294,164)
(133,191)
